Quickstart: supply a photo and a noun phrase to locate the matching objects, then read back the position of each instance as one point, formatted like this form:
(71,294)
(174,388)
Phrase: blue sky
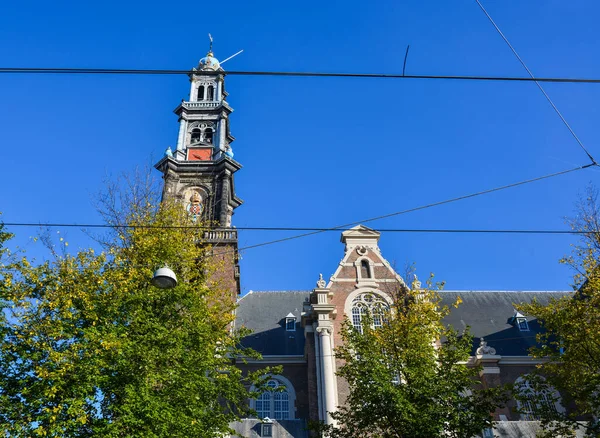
(318,152)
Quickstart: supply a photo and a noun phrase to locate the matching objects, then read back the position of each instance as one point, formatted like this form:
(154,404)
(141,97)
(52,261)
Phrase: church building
(299,330)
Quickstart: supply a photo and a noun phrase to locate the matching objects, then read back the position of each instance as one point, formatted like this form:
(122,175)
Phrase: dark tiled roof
(250,428)
(264,313)
(523,429)
(489,313)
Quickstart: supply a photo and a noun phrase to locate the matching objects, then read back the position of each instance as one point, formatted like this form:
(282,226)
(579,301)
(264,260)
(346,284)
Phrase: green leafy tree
(88,347)
(403,381)
(570,343)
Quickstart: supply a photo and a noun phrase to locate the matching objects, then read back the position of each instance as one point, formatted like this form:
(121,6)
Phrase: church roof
(265,314)
(489,314)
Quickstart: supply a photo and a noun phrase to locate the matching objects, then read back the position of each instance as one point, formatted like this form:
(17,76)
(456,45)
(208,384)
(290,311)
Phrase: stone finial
(484,348)
(169,152)
(416,282)
(321,282)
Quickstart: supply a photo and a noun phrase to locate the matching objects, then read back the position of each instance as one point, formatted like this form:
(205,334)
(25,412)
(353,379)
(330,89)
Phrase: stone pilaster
(489,374)
(328,370)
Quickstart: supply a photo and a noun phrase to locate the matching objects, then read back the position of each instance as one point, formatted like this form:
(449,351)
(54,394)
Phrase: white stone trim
(371,281)
(299,358)
(351,280)
(521,360)
(363,290)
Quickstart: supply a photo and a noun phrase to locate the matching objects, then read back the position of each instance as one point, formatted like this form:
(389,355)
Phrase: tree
(403,381)
(570,343)
(88,347)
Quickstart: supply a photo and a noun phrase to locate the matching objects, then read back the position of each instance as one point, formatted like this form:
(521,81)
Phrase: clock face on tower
(199,154)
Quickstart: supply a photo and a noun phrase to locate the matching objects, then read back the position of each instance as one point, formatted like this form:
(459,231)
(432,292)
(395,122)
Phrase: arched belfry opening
(196,135)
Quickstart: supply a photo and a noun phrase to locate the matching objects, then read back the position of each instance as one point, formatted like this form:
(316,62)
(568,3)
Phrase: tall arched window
(210,93)
(533,400)
(274,403)
(201,92)
(196,135)
(368,303)
(365,269)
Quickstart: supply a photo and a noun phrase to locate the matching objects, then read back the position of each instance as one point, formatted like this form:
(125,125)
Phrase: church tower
(199,173)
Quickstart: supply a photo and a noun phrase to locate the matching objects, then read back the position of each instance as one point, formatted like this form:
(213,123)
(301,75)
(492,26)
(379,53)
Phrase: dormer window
(521,321)
(201,92)
(196,135)
(488,433)
(290,322)
(266,428)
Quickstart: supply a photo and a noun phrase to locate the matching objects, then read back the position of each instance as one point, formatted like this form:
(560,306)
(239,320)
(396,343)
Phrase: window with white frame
(521,321)
(275,402)
(266,430)
(290,324)
(488,433)
(368,303)
(532,401)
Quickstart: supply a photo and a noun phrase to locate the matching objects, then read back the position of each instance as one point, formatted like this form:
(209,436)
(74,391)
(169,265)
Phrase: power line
(313,231)
(537,82)
(347,226)
(36,70)
(321,229)
(422,207)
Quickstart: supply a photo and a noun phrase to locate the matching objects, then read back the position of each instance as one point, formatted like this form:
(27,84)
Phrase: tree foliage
(570,342)
(88,347)
(403,381)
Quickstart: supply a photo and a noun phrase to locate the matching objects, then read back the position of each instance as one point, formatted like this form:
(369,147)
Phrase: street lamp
(164,278)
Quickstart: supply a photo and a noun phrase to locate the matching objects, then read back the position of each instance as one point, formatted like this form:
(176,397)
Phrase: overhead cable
(537,82)
(422,207)
(383,230)
(313,231)
(38,70)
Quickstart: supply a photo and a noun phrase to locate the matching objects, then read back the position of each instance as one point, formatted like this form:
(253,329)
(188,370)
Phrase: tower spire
(200,171)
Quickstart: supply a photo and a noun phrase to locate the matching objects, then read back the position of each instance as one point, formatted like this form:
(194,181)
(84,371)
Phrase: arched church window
(274,402)
(210,92)
(365,269)
(196,135)
(208,135)
(201,92)
(532,401)
(368,304)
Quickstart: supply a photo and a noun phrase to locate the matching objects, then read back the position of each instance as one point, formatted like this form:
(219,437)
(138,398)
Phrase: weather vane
(226,59)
